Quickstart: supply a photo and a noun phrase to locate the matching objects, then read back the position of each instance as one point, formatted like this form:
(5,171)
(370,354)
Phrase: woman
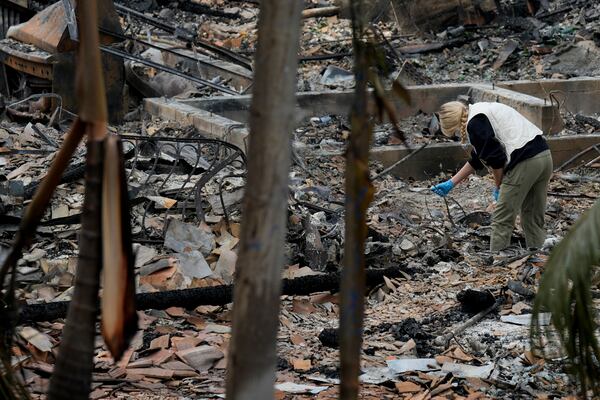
(517,155)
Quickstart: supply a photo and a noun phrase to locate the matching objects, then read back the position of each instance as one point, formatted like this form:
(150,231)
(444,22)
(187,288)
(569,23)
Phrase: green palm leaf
(565,291)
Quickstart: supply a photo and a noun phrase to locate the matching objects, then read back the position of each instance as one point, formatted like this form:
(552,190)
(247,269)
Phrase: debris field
(445,318)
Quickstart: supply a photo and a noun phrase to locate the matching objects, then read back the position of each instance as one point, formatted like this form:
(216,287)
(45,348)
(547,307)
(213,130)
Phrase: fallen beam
(444,339)
(320,12)
(211,296)
(432,47)
(322,57)
(201,9)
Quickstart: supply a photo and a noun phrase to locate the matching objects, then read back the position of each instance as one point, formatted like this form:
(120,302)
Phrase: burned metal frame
(199,160)
(160,160)
(54,73)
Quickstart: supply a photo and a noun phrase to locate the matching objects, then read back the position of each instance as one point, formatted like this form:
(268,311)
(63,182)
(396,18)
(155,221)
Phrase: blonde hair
(453,118)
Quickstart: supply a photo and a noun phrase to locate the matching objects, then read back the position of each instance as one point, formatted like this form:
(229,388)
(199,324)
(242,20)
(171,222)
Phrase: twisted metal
(178,169)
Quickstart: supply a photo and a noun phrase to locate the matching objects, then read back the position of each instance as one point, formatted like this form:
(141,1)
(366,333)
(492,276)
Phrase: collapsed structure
(185,148)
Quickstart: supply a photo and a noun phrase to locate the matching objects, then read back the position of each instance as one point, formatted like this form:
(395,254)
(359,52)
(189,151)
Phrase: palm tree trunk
(359,193)
(72,375)
(252,355)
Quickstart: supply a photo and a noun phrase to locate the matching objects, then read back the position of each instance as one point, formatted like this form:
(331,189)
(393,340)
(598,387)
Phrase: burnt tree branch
(213,296)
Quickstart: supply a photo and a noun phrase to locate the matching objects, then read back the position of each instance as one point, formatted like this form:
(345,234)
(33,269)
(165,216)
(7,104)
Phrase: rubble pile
(441,251)
(449,320)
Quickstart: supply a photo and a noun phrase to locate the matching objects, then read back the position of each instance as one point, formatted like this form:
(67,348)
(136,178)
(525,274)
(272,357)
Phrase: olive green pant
(524,191)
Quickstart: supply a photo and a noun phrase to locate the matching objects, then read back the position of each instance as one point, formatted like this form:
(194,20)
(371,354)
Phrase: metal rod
(394,165)
(321,57)
(164,68)
(153,46)
(592,162)
(121,9)
(576,157)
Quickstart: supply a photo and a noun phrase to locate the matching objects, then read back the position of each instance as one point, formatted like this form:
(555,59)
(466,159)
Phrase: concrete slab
(426,98)
(226,118)
(577,95)
(210,124)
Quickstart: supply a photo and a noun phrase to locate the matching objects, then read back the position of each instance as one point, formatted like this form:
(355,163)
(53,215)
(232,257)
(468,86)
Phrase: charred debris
(443,317)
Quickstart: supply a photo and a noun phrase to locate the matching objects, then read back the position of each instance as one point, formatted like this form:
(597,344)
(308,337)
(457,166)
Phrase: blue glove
(496,194)
(443,188)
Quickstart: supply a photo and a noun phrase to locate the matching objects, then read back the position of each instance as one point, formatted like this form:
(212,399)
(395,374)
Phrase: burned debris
(444,316)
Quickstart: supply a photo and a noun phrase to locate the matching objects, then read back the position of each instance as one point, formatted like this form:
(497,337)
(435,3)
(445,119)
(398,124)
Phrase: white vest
(512,130)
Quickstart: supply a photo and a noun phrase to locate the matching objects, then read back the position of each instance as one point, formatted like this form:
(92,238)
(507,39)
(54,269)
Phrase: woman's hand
(443,188)
(496,194)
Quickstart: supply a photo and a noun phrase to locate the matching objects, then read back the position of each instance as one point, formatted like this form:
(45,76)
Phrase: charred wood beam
(320,12)
(558,11)
(72,174)
(444,339)
(319,208)
(433,47)
(201,9)
(214,296)
(573,195)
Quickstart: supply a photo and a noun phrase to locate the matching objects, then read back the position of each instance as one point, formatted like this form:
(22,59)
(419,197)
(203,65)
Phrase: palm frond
(565,292)
(10,387)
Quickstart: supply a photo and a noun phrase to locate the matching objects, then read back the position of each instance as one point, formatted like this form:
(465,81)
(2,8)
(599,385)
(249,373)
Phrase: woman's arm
(498,175)
(466,171)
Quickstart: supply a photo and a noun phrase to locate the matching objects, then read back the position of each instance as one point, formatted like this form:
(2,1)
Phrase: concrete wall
(225,118)
(210,124)
(426,98)
(448,157)
(577,95)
